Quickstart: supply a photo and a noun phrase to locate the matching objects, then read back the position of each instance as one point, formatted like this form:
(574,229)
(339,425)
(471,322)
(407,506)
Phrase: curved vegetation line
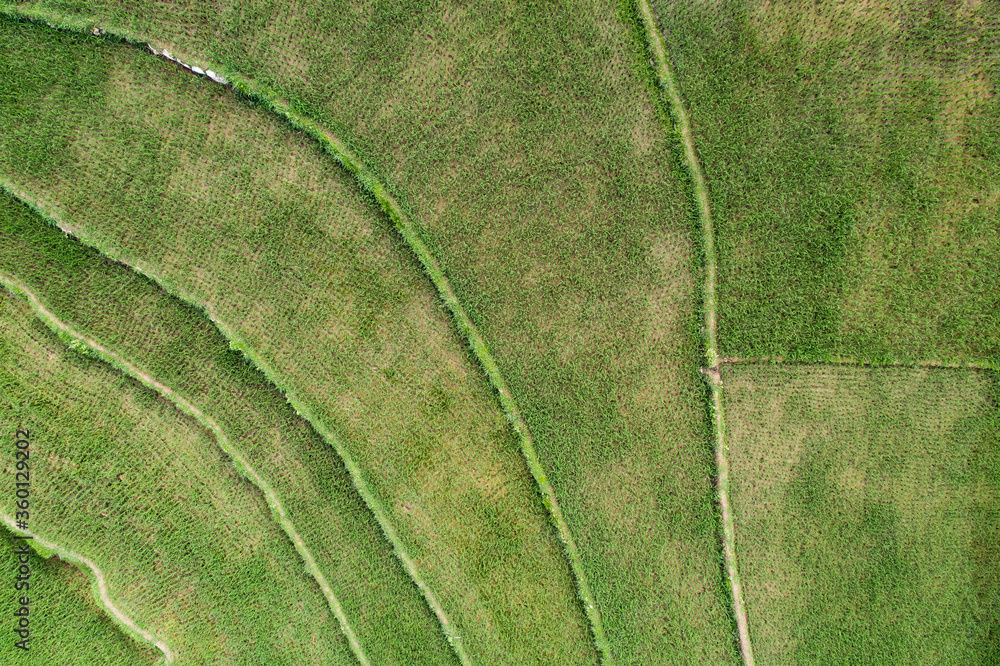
(700,191)
(298,405)
(237,457)
(102,588)
(371,184)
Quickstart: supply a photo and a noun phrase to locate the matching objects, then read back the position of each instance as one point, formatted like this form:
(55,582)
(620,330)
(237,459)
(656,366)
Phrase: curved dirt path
(680,118)
(408,229)
(102,587)
(237,457)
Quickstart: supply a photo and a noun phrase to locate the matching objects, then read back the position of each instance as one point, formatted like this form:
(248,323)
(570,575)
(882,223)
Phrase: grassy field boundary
(372,185)
(80,561)
(239,460)
(682,127)
(846,360)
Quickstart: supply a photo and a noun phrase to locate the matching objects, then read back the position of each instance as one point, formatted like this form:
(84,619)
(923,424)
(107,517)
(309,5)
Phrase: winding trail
(390,204)
(238,458)
(102,587)
(680,118)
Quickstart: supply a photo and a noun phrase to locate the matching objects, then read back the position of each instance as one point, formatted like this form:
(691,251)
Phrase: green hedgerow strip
(47,549)
(700,192)
(372,185)
(79,341)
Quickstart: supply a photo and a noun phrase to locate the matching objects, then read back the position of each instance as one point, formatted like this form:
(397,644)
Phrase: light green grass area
(176,345)
(227,207)
(187,546)
(528,146)
(67,625)
(853,156)
(867,510)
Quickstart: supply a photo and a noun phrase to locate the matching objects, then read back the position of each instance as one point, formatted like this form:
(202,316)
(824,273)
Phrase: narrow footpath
(683,127)
(102,587)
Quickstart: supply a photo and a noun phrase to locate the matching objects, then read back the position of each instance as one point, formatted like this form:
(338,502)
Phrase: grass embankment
(188,549)
(868,502)
(67,624)
(173,349)
(854,160)
(544,185)
(699,192)
(277,247)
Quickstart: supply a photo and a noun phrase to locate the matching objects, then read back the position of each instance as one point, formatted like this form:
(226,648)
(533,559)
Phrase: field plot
(853,156)
(225,206)
(65,620)
(526,143)
(177,346)
(867,510)
(188,548)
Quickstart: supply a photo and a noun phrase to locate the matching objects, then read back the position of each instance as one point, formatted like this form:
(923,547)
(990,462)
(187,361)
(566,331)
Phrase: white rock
(155,52)
(197,70)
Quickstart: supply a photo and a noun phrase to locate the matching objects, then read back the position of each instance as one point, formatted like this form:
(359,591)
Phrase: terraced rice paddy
(208,573)
(495,315)
(334,312)
(151,334)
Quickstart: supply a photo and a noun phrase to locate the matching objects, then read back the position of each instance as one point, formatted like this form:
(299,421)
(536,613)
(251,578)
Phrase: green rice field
(481,332)
(160,337)
(348,329)
(852,155)
(867,512)
(67,613)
